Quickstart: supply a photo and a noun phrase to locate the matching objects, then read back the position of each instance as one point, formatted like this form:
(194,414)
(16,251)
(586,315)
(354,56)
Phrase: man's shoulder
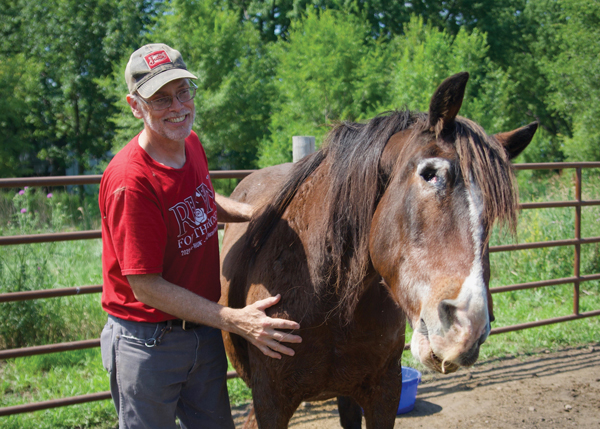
(126,167)
(193,137)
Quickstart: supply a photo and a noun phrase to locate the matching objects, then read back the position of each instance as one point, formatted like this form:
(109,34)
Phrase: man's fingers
(270,345)
(283,324)
(270,337)
(263,304)
(268,352)
(267,302)
(287,338)
(278,347)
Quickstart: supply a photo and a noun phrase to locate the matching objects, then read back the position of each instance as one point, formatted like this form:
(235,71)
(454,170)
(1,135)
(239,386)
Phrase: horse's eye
(429,175)
(434,171)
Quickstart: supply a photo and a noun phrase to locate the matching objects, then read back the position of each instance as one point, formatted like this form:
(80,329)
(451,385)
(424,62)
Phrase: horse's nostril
(447,313)
(422,328)
(482,339)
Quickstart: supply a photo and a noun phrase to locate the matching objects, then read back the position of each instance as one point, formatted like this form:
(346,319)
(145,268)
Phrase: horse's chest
(372,348)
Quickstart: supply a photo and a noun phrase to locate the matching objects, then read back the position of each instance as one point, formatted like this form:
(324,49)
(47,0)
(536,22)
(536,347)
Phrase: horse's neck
(309,216)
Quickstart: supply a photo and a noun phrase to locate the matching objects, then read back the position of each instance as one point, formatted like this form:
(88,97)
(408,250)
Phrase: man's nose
(176,104)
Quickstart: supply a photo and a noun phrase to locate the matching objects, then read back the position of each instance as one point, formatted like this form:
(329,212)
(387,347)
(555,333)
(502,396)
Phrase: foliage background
(269,70)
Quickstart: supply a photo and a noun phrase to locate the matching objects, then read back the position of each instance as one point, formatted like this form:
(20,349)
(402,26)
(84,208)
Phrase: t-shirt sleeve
(137,230)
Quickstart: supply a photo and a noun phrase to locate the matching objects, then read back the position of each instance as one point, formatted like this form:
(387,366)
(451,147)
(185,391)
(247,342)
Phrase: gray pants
(151,382)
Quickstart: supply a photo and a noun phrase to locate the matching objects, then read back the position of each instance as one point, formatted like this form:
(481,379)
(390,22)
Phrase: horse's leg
(381,402)
(350,412)
(272,414)
(381,413)
(273,407)
(251,420)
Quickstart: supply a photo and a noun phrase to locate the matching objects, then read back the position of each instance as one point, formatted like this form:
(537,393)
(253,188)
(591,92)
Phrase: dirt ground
(546,390)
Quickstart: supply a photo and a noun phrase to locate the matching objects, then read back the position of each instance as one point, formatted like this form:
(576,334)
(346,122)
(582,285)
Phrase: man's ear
(136,109)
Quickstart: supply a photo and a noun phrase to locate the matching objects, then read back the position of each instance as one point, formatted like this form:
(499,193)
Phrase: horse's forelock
(484,160)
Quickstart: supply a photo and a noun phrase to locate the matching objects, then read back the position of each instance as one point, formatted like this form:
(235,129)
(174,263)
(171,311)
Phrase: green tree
(570,61)
(388,17)
(424,56)
(235,78)
(274,19)
(329,70)
(125,125)
(75,44)
(17,83)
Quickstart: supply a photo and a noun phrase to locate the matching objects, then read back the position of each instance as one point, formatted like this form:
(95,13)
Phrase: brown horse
(388,222)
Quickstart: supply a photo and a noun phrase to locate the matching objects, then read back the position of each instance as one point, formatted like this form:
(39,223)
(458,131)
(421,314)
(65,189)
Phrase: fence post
(577,261)
(302,146)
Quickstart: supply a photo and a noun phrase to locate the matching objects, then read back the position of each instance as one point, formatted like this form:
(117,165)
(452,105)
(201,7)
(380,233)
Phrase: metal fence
(576,279)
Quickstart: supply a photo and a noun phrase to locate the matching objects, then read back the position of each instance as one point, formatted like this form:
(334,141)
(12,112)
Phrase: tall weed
(45,266)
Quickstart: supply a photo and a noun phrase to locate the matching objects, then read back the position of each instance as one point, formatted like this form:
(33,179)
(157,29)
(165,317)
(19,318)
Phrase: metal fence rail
(576,279)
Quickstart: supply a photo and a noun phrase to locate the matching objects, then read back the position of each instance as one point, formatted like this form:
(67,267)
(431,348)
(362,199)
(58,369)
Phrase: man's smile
(176,119)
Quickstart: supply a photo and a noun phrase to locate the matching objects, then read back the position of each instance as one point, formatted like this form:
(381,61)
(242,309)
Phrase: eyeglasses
(163,103)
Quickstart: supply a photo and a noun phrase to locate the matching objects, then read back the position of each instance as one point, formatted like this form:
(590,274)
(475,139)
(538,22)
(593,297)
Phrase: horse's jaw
(446,363)
(421,350)
(445,347)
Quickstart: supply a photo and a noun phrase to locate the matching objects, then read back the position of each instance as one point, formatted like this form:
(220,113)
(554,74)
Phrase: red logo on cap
(156,58)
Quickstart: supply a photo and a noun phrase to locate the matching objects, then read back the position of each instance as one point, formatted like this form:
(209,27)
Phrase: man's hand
(252,323)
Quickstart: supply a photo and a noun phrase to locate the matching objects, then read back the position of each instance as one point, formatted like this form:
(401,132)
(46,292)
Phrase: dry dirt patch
(547,390)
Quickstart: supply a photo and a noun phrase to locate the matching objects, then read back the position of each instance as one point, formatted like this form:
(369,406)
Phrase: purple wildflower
(23,210)
(49,195)
(21,192)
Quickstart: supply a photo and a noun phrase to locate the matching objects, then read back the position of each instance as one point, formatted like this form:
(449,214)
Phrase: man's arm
(249,322)
(229,210)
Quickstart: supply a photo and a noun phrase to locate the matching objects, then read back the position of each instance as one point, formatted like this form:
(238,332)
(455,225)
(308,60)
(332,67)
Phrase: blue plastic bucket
(410,381)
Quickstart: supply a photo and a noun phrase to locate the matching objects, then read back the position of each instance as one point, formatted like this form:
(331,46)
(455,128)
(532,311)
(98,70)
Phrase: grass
(45,377)
(58,375)
(545,264)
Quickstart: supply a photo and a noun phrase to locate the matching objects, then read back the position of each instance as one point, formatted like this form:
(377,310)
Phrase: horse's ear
(446,102)
(516,141)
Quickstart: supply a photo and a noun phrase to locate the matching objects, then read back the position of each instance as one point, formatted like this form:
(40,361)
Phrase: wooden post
(302,146)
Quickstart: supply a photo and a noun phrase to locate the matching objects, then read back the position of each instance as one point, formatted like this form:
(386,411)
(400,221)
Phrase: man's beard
(158,127)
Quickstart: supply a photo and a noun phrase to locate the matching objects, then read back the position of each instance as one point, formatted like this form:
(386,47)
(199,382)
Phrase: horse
(388,222)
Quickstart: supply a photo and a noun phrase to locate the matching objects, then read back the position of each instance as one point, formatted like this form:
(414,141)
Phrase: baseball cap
(153,66)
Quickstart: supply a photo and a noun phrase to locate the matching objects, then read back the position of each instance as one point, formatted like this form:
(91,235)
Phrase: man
(162,344)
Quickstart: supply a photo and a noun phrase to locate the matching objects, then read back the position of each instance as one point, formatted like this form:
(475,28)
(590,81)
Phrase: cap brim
(148,89)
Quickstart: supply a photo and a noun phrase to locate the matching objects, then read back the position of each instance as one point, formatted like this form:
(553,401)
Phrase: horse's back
(260,186)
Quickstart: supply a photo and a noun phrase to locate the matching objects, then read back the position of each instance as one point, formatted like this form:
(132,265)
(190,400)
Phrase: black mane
(352,152)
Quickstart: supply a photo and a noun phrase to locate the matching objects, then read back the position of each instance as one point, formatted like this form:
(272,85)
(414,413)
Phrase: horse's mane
(352,154)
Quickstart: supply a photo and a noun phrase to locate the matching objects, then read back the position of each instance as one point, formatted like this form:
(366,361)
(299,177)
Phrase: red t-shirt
(157,219)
